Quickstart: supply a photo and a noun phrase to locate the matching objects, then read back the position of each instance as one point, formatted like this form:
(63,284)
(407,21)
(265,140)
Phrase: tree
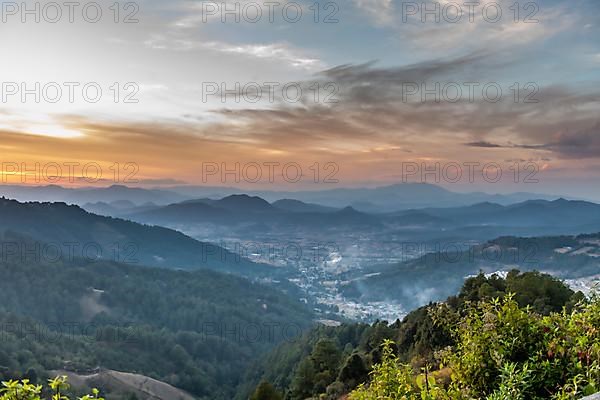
(326,355)
(266,391)
(326,358)
(502,352)
(304,380)
(354,371)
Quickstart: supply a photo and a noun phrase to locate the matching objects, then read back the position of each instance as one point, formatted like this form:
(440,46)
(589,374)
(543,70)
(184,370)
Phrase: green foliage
(354,371)
(418,340)
(541,291)
(114,239)
(193,330)
(266,391)
(290,366)
(317,371)
(393,380)
(502,352)
(24,390)
(304,380)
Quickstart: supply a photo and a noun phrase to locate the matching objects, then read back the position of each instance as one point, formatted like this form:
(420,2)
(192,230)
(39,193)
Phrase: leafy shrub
(501,352)
(418,339)
(23,390)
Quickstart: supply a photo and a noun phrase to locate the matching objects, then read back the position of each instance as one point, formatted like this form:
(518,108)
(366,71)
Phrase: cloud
(452,28)
(483,144)
(372,108)
(279,52)
(371,129)
(274,52)
(196,27)
(414,72)
(579,144)
(380,11)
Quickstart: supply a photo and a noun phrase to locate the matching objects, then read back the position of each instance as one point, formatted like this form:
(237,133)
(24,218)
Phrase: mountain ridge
(119,239)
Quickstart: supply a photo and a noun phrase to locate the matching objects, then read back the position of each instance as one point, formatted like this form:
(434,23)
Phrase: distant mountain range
(117,208)
(528,213)
(80,196)
(484,220)
(92,236)
(380,199)
(243,209)
(299,206)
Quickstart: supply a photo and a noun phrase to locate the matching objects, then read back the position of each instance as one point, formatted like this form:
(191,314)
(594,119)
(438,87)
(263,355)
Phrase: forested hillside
(332,361)
(440,273)
(500,351)
(198,331)
(71,231)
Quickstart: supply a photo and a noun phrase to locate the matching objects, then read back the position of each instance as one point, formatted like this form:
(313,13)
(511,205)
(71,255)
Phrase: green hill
(196,330)
(69,231)
(332,361)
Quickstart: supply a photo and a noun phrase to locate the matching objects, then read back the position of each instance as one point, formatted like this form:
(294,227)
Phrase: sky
(496,96)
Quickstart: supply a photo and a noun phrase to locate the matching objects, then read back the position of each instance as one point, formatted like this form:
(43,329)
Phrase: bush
(265,391)
(501,352)
(23,390)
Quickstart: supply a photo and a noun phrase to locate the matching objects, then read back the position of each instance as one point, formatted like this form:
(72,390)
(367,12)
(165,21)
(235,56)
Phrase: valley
(314,200)
(330,254)
(213,283)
